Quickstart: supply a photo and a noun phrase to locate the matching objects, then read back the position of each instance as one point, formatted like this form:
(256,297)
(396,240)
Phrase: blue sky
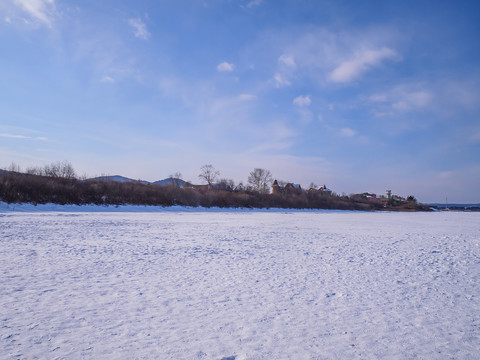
(358,95)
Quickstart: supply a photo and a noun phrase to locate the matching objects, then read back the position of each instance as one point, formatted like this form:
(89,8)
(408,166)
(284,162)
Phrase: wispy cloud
(347,132)
(235,107)
(14,136)
(287,61)
(286,69)
(139,28)
(324,57)
(281,81)
(39,10)
(378,98)
(247,97)
(302,101)
(253,3)
(413,100)
(225,67)
(18,136)
(363,61)
(402,98)
(107,79)
(107,55)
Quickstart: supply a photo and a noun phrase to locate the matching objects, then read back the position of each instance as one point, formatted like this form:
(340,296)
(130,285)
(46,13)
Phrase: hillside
(38,189)
(117,178)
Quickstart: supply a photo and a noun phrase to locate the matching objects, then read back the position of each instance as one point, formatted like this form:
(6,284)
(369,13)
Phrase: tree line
(58,183)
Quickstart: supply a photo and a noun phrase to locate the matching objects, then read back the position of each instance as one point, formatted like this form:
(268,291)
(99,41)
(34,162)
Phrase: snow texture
(239,285)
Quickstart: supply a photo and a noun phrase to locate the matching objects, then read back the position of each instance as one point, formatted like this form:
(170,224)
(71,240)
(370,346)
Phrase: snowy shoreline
(28,207)
(50,207)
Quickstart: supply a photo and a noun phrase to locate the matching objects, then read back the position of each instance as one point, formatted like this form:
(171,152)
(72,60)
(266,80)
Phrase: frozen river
(239,285)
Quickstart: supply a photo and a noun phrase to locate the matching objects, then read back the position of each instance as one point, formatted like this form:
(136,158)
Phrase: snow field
(239,285)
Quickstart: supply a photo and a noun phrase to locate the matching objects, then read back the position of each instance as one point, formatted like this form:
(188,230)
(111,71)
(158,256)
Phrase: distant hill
(172,181)
(122,179)
(117,178)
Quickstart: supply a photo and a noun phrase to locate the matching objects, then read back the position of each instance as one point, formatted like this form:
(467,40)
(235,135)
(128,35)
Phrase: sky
(358,95)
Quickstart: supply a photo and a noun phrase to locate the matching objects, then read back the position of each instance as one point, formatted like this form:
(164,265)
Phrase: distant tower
(389,194)
(275,187)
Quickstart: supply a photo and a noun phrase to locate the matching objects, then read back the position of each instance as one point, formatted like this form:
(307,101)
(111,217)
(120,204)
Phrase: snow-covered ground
(239,285)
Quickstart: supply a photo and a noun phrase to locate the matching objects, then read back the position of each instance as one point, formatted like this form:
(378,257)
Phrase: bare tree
(67,171)
(34,170)
(208,174)
(260,180)
(60,169)
(14,167)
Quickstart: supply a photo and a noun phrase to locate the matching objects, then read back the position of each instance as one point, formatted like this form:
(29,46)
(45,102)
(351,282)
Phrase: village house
(373,198)
(325,190)
(289,188)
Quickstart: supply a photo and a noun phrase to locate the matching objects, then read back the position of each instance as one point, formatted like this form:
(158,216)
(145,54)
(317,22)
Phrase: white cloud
(302,101)
(378,97)
(17,136)
(253,3)
(107,79)
(286,69)
(40,10)
(246,97)
(401,105)
(420,98)
(139,28)
(14,136)
(225,67)
(313,52)
(281,81)
(287,61)
(347,132)
(446,175)
(362,62)
(412,100)
(401,98)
